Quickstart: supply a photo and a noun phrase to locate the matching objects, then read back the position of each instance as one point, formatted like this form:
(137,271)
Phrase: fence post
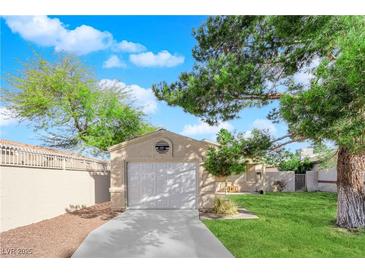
(63,163)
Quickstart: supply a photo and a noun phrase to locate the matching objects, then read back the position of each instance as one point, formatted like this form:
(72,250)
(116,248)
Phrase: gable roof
(210,142)
(151,135)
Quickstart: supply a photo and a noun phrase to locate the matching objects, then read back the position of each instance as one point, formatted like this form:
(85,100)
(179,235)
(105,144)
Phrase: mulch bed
(243,214)
(58,237)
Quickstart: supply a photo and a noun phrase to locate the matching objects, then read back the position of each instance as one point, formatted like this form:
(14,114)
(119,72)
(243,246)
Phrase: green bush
(224,206)
(296,164)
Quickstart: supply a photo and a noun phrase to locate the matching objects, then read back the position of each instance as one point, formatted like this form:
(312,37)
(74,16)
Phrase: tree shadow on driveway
(152,233)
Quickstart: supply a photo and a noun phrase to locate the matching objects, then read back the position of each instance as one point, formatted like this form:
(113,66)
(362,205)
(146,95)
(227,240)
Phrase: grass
(290,225)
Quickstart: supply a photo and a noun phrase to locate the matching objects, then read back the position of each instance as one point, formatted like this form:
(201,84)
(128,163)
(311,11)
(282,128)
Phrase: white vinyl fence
(37,185)
(27,157)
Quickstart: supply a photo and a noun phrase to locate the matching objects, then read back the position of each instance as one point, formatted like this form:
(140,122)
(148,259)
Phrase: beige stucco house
(165,170)
(161,169)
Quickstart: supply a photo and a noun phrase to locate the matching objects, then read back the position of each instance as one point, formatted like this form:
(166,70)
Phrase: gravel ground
(58,237)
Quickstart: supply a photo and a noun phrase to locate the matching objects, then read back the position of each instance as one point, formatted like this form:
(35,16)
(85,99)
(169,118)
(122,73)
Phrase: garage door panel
(161,185)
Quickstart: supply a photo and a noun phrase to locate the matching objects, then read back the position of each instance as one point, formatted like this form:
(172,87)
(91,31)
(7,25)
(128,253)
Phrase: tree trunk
(350,189)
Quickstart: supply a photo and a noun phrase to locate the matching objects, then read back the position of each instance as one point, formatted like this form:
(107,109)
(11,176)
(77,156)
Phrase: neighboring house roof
(41,149)
(210,142)
(152,134)
(314,159)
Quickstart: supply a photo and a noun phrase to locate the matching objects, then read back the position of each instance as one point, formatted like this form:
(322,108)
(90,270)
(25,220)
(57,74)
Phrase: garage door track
(153,234)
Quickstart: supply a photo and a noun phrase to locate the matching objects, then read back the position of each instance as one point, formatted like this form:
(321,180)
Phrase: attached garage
(160,170)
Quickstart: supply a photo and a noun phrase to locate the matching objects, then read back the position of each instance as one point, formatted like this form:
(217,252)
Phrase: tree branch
(286,143)
(282,138)
(269,96)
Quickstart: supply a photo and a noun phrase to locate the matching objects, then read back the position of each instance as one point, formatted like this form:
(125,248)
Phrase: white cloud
(114,62)
(38,29)
(141,97)
(51,32)
(128,46)
(83,40)
(203,128)
(161,59)
(7,117)
(145,98)
(264,124)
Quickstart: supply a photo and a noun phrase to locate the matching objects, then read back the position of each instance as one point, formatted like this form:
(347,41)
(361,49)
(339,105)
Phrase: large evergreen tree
(245,61)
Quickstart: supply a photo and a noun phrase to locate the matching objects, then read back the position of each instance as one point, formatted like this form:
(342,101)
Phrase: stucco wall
(246,182)
(142,149)
(250,182)
(30,195)
(287,177)
(311,181)
(327,187)
(328,174)
(322,179)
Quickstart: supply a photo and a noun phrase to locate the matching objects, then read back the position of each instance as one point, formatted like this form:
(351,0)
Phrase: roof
(210,142)
(41,149)
(151,134)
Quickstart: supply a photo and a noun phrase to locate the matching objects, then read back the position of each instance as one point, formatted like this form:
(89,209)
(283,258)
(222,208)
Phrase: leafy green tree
(246,61)
(225,159)
(234,152)
(293,162)
(67,106)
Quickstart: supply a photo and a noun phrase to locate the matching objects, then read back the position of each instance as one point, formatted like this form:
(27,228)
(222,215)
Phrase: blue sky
(130,51)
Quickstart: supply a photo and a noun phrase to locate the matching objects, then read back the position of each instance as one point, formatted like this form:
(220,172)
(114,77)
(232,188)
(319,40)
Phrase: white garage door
(161,185)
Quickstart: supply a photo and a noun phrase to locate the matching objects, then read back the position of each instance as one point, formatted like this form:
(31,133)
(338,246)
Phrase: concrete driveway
(153,234)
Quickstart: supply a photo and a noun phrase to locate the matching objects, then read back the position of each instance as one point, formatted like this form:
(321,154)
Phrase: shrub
(224,206)
(278,186)
(296,164)
(74,208)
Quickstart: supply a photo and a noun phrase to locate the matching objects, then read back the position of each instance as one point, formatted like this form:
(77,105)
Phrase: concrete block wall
(29,195)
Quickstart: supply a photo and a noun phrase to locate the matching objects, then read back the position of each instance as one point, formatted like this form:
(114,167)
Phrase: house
(322,177)
(165,170)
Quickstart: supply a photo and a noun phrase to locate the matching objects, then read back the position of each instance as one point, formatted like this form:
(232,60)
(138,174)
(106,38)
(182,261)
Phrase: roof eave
(133,140)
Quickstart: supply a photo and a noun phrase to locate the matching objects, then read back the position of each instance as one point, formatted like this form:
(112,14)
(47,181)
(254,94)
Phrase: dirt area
(242,214)
(58,237)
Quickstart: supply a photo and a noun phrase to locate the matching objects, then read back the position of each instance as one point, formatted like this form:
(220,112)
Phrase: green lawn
(289,225)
